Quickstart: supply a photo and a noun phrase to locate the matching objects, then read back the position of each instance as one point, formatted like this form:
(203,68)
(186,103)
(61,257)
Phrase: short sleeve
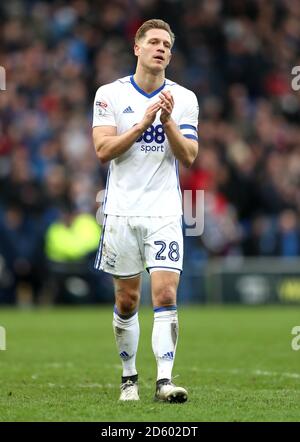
(103,113)
(189,120)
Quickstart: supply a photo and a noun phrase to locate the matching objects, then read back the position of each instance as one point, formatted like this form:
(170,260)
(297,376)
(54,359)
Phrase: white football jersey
(144,180)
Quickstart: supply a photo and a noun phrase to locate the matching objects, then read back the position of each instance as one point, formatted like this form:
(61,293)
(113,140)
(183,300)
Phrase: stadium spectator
(70,245)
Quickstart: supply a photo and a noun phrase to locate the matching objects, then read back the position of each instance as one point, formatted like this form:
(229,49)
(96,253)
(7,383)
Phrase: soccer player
(144,124)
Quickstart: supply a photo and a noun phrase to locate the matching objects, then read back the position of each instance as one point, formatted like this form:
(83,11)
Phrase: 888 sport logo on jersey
(152,139)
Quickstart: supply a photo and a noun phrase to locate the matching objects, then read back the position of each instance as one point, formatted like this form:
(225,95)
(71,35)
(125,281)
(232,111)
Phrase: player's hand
(150,115)
(166,105)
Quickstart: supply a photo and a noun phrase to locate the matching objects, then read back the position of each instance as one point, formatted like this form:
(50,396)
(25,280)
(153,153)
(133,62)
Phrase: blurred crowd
(237,56)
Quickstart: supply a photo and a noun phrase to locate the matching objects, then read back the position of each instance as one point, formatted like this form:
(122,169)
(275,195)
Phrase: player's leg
(165,327)
(165,333)
(119,255)
(164,253)
(127,331)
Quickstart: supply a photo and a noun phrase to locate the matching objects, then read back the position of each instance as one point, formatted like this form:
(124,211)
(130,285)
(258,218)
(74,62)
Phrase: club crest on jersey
(101,107)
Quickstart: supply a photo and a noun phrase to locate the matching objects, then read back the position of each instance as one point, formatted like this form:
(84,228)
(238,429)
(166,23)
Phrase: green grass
(236,362)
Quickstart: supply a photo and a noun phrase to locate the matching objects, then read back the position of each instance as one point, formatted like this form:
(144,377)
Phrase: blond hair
(155,23)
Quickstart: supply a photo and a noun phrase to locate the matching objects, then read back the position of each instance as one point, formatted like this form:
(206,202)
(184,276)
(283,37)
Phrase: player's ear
(169,59)
(137,49)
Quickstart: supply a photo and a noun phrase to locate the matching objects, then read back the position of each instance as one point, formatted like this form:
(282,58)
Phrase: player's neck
(147,81)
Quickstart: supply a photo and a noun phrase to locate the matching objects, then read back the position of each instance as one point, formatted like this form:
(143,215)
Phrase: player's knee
(165,296)
(127,301)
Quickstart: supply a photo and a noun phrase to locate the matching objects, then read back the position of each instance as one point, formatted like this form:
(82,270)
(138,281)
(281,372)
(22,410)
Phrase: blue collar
(143,92)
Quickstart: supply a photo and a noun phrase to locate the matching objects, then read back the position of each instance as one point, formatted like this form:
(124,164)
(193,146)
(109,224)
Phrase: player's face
(154,50)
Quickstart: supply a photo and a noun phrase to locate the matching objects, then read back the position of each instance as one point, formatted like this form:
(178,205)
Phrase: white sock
(164,340)
(127,333)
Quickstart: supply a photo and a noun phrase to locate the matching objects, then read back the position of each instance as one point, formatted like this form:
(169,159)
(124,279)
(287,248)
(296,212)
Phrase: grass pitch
(237,363)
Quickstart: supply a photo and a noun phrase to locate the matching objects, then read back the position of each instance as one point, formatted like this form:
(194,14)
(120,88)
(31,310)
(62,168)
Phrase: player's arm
(184,149)
(109,145)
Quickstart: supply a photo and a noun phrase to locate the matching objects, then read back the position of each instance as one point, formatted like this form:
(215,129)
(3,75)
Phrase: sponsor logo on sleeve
(101,107)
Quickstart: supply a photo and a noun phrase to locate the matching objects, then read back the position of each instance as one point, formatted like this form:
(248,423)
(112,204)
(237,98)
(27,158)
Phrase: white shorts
(131,244)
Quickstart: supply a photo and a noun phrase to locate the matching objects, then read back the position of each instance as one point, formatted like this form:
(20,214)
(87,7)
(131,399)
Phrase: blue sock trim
(165,309)
(124,316)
